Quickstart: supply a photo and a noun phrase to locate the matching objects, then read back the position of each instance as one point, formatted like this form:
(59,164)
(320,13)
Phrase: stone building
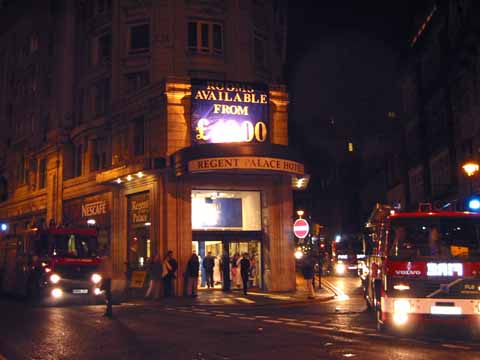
(162,122)
(440,109)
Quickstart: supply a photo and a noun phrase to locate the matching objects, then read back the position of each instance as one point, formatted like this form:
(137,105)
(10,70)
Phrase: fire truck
(49,266)
(423,267)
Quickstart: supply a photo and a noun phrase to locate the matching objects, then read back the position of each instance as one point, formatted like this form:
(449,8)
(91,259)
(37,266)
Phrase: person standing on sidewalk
(170,266)
(245,271)
(208,265)
(308,272)
(106,271)
(155,273)
(193,266)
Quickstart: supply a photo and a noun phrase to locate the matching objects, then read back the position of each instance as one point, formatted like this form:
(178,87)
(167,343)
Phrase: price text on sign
(301,228)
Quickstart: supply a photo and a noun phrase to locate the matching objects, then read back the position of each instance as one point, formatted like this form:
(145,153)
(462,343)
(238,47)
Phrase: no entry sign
(300,228)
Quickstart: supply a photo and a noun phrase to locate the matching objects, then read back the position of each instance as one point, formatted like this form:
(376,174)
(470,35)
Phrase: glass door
(210,254)
(253,250)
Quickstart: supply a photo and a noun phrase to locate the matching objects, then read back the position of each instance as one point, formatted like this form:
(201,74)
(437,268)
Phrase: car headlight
(54,278)
(340,268)
(57,293)
(96,278)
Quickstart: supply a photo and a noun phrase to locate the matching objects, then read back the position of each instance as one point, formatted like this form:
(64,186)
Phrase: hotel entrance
(226,225)
(228,252)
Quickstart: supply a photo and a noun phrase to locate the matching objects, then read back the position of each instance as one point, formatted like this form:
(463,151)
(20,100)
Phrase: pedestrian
(308,274)
(106,271)
(235,271)
(193,266)
(245,271)
(155,270)
(169,272)
(208,265)
(225,264)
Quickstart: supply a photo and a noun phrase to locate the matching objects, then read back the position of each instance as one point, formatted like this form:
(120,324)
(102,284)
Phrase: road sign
(301,228)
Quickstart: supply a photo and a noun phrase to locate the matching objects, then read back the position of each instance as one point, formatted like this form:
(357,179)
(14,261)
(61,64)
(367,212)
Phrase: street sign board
(301,228)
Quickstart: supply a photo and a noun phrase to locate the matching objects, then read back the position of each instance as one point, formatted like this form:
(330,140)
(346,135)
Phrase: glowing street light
(470,168)
(300,213)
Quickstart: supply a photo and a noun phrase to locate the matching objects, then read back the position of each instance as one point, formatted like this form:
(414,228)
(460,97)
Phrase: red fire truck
(50,265)
(423,267)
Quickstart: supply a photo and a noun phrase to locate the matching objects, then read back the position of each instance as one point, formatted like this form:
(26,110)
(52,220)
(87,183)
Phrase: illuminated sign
(94,208)
(226,112)
(246,163)
(444,269)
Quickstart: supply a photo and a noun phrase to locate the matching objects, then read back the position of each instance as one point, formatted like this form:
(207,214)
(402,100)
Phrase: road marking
(286,319)
(339,293)
(218,312)
(311,322)
(320,327)
(351,331)
(273,321)
(246,318)
(261,317)
(245,300)
(296,324)
(452,346)
(237,314)
(221,315)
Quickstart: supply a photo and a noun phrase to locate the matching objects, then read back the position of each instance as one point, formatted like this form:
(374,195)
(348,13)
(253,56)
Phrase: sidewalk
(235,298)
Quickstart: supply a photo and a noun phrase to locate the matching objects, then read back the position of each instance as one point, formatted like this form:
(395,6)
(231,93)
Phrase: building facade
(165,122)
(437,129)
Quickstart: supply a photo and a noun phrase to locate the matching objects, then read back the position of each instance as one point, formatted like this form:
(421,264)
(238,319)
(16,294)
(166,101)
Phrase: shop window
(205,37)
(226,210)
(42,174)
(140,247)
(139,39)
(139,136)
(137,80)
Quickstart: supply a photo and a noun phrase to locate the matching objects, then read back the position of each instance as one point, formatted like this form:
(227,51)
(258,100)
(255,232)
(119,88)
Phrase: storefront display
(140,247)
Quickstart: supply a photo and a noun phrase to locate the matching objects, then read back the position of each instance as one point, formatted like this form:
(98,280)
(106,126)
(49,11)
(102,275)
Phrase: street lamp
(300,213)
(471,168)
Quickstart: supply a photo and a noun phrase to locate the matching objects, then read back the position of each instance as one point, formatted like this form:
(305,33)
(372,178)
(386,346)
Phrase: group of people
(238,269)
(161,272)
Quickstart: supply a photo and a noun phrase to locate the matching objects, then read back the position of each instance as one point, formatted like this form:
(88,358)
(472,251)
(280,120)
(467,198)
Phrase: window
(33,43)
(350,147)
(139,38)
(105,48)
(99,154)
(205,37)
(102,96)
(103,6)
(20,170)
(137,80)
(260,51)
(440,173)
(139,136)
(416,184)
(42,174)
(78,160)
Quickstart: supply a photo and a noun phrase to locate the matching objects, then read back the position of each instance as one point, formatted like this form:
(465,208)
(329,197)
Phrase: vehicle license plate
(80,291)
(446,310)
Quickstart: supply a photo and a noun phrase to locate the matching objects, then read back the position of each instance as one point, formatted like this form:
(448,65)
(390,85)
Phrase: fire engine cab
(423,266)
(51,265)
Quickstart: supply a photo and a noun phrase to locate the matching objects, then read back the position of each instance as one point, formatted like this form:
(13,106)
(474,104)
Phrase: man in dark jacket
(170,266)
(193,266)
(208,265)
(245,271)
(308,271)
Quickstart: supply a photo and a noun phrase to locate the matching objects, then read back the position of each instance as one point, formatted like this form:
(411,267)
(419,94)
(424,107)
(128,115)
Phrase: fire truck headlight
(401,308)
(96,278)
(54,278)
(340,268)
(57,293)
(401,287)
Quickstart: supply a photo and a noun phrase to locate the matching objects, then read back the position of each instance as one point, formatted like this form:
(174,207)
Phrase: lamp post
(471,168)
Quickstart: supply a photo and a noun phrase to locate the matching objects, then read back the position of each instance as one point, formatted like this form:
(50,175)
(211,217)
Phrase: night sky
(344,64)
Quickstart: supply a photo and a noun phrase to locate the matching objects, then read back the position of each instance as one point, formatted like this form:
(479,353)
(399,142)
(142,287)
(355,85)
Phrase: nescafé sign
(229,112)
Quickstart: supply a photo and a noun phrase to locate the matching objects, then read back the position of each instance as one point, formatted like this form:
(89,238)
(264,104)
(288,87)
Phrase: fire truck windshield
(434,238)
(75,246)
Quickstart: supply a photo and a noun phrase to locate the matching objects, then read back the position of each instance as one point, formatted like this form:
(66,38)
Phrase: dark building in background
(97,107)
(441,102)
